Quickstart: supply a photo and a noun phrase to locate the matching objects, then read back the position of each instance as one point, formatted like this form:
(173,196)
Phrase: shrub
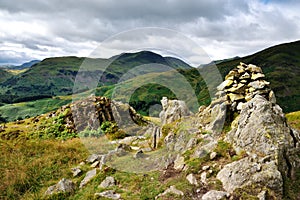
(112,130)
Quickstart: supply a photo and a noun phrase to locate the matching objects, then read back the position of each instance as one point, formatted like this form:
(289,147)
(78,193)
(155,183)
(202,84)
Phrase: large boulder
(173,110)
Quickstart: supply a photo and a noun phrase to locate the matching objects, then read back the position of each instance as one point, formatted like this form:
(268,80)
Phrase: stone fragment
(170,190)
(179,163)
(192,179)
(231,75)
(235,97)
(95,164)
(246,75)
(76,171)
(205,167)
(89,176)
(239,89)
(272,97)
(258,84)
(215,195)
(110,194)
(203,177)
(107,182)
(257,76)
(213,155)
(92,158)
(63,186)
(225,84)
(254,68)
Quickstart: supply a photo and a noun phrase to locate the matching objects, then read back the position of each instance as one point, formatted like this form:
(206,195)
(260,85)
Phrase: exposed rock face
(260,129)
(95,110)
(173,110)
(63,186)
(248,172)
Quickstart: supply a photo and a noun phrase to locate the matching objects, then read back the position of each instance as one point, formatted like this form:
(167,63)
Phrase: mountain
(27,64)
(56,76)
(20,67)
(281,65)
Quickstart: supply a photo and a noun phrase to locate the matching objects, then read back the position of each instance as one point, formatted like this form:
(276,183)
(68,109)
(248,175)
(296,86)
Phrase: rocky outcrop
(93,111)
(172,110)
(260,130)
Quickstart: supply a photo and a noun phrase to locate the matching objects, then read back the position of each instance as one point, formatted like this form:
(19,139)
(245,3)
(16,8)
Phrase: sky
(31,29)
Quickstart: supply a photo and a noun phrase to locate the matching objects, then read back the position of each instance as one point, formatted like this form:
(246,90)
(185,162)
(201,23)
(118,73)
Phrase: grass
(28,167)
(32,108)
(294,119)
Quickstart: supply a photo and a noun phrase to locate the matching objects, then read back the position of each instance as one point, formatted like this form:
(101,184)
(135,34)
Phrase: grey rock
(108,182)
(76,171)
(92,158)
(203,177)
(205,167)
(259,84)
(179,163)
(245,76)
(261,128)
(173,110)
(215,195)
(63,186)
(272,97)
(139,154)
(245,172)
(95,164)
(170,190)
(110,194)
(88,177)
(213,155)
(254,68)
(234,97)
(225,84)
(192,179)
(257,76)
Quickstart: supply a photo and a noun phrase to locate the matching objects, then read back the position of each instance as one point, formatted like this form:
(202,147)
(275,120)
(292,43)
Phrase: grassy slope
(4,75)
(24,110)
(281,65)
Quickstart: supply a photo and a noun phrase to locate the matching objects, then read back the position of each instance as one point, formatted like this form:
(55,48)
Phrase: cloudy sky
(31,29)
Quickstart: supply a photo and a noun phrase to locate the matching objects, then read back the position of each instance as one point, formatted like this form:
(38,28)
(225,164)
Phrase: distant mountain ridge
(56,76)
(20,67)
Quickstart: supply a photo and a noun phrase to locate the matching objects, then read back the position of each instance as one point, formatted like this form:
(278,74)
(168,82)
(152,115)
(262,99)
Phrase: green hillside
(281,65)
(56,76)
(4,75)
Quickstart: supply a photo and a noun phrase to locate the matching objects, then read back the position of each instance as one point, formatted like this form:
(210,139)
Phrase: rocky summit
(238,147)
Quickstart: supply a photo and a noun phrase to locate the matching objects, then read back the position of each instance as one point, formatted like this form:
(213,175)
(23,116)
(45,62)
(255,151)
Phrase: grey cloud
(226,24)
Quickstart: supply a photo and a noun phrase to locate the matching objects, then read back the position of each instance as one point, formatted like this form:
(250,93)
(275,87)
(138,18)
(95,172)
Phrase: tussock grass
(28,167)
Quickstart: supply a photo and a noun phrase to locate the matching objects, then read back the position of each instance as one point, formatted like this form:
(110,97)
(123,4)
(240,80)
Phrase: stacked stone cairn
(242,84)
